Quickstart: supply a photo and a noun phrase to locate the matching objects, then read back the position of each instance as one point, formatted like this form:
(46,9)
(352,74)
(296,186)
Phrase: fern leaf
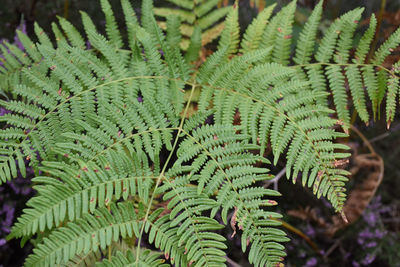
(193,50)
(283,38)
(72,33)
(95,232)
(348,27)
(357,91)
(146,259)
(365,42)
(254,31)
(387,47)
(306,43)
(393,91)
(230,35)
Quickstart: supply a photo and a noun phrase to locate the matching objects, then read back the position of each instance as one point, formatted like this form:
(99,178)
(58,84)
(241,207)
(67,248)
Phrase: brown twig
(365,140)
(299,233)
(66,8)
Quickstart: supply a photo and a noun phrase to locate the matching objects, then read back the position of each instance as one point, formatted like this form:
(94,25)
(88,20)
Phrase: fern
(121,161)
(203,16)
(331,66)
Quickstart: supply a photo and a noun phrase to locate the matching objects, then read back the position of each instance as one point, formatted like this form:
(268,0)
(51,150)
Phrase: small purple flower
(371,244)
(380,234)
(355,264)
(88,45)
(311,262)
(140,99)
(310,231)
(3,111)
(366,234)
(2,242)
(368,259)
(370,218)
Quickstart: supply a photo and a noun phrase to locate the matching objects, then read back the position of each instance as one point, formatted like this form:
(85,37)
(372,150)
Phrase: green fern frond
(212,161)
(365,42)
(392,94)
(307,36)
(138,147)
(386,48)
(336,46)
(78,189)
(147,259)
(94,232)
(83,260)
(230,34)
(254,31)
(278,115)
(203,15)
(111,25)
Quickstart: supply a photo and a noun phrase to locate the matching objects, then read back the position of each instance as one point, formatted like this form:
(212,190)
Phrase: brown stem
(66,8)
(299,233)
(365,140)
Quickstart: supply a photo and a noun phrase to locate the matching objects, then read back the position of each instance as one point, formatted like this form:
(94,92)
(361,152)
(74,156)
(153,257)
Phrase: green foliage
(202,15)
(328,65)
(120,158)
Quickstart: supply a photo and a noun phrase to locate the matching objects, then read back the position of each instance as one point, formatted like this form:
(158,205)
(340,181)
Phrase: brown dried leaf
(233,222)
(371,167)
(308,214)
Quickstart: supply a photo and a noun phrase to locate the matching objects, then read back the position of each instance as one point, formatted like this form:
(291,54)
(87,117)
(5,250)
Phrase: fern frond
(254,31)
(72,33)
(112,30)
(77,190)
(125,153)
(230,34)
(278,115)
(193,50)
(83,260)
(336,46)
(212,161)
(365,42)
(307,36)
(91,233)
(393,91)
(147,259)
(283,38)
(386,48)
(203,15)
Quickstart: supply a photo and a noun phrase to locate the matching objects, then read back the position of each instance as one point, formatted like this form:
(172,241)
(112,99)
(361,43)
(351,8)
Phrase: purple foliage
(310,231)
(368,259)
(11,194)
(17,41)
(3,111)
(311,262)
